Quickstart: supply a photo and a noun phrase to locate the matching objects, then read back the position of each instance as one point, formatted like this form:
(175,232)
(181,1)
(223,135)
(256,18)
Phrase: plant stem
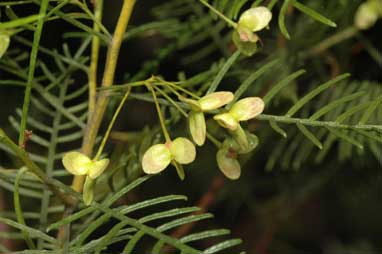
(307,122)
(161,120)
(111,62)
(106,136)
(221,15)
(172,85)
(171,101)
(24,157)
(18,209)
(94,58)
(32,64)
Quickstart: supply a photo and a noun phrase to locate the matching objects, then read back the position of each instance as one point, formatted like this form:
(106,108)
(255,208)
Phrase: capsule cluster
(183,151)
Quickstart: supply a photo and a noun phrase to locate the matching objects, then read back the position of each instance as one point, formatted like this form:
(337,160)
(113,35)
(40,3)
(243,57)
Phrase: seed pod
(197,126)
(96,168)
(215,100)
(252,140)
(241,139)
(183,151)
(76,163)
(228,164)
(366,16)
(247,108)
(227,121)
(255,19)
(88,191)
(156,159)
(79,164)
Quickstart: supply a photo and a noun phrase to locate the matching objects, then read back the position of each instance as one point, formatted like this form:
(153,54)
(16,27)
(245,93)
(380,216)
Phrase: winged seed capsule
(159,156)
(255,19)
(367,14)
(228,164)
(197,122)
(242,110)
(77,163)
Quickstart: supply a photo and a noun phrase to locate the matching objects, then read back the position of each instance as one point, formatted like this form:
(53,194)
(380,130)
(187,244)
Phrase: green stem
(221,15)
(95,120)
(161,119)
(172,85)
(23,156)
(106,136)
(94,58)
(307,122)
(18,209)
(32,64)
(171,101)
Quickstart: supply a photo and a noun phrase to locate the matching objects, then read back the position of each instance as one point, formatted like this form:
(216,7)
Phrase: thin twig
(24,157)
(94,58)
(32,64)
(111,62)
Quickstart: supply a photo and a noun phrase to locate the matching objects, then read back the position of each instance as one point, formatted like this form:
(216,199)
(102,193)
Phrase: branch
(24,157)
(111,62)
(307,122)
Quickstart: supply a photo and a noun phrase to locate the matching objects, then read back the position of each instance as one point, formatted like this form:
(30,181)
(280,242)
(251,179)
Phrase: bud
(247,108)
(241,139)
(215,100)
(197,126)
(366,16)
(88,191)
(228,164)
(255,19)
(156,159)
(227,121)
(4,43)
(79,164)
(183,150)
(252,140)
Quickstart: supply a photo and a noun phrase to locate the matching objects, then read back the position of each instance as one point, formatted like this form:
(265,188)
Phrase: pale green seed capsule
(197,126)
(183,151)
(4,43)
(247,108)
(215,100)
(76,163)
(88,191)
(256,18)
(228,165)
(366,16)
(253,141)
(79,164)
(227,120)
(156,159)
(241,139)
(97,168)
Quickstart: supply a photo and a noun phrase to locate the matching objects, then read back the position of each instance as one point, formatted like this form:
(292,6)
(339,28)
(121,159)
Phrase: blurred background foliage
(292,197)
